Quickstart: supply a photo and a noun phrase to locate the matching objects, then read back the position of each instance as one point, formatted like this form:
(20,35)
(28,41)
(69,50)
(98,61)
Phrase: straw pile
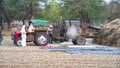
(109,34)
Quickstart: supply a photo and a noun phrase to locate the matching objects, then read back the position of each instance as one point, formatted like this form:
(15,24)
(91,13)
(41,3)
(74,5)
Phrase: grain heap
(109,34)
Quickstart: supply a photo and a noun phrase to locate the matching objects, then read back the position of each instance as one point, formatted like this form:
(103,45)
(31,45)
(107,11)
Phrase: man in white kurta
(23,36)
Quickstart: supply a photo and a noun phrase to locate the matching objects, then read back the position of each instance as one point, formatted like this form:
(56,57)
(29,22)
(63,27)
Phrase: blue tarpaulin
(86,49)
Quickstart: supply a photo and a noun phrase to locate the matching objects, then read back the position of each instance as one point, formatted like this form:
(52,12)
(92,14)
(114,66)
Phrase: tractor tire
(81,40)
(41,39)
(74,41)
(18,42)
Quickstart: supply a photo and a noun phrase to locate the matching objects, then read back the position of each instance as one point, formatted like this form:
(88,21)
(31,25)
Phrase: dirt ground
(32,56)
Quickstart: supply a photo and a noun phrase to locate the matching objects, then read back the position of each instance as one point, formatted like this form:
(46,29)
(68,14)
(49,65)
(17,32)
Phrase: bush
(6,32)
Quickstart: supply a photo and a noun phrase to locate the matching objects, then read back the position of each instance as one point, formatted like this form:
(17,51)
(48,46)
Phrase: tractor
(39,36)
(68,29)
(63,31)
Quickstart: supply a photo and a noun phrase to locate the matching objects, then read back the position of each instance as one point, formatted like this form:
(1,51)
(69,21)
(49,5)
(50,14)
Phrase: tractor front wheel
(18,42)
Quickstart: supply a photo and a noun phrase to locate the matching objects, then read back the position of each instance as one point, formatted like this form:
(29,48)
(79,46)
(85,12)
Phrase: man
(13,29)
(31,28)
(23,36)
(49,32)
(1,38)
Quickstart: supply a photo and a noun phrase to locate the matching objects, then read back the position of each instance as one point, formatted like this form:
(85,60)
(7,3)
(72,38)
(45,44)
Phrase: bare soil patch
(32,56)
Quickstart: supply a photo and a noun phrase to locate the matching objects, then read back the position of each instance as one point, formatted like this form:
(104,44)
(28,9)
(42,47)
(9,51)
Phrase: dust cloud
(73,32)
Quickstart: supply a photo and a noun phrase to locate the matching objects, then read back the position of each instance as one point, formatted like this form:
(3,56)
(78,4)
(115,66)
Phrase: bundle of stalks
(109,34)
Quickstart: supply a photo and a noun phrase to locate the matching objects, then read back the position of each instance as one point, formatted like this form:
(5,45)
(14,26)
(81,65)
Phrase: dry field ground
(32,56)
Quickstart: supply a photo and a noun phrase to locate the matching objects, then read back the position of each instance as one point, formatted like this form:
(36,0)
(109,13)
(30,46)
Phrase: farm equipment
(84,30)
(60,31)
(39,36)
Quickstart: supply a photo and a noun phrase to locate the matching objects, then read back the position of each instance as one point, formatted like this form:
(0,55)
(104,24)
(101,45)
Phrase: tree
(52,11)
(20,9)
(114,10)
(1,1)
(89,9)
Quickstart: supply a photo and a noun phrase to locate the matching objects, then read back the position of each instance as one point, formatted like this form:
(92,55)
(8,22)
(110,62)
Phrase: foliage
(68,9)
(6,32)
(114,9)
(52,11)
(91,9)
(20,10)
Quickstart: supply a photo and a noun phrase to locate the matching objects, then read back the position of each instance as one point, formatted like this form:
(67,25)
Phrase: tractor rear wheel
(81,40)
(41,39)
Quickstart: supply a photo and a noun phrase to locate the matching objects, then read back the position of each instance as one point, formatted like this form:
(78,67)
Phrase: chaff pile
(109,34)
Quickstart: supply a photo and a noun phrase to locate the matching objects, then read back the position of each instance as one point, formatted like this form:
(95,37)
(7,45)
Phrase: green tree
(1,1)
(84,9)
(113,10)
(20,9)
(52,11)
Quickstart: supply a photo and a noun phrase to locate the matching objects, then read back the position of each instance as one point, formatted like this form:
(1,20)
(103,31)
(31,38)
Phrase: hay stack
(109,34)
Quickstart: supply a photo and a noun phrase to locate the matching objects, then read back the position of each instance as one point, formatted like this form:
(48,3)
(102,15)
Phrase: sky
(107,1)
(42,4)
